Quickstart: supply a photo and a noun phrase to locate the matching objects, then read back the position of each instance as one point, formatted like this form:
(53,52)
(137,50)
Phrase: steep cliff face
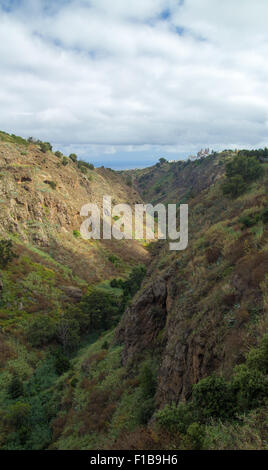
(143,321)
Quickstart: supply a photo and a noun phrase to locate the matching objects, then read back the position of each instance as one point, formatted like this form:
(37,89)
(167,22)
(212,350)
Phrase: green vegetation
(15,388)
(147,379)
(76,234)
(101,310)
(65,161)
(58,154)
(214,397)
(52,184)
(131,286)
(84,166)
(173,359)
(12,138)
(73,157)
(7,253)
(45,146)
(240,172)
(129,181)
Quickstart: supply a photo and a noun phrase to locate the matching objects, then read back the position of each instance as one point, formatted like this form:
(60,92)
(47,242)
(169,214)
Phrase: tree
(101,309)
(15,388)
(41,331)
(147,381)
(6,253)
(234,186)
(240,172)
(62,363)
(133,283)
(18,414)
(147,378)
(162,160)
(68,333)
(248,167)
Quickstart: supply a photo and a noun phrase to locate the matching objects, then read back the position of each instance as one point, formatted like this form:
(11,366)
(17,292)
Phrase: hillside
(177,182)
(174,359)
(41,197)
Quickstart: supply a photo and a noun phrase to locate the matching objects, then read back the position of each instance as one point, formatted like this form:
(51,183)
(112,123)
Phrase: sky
(123,83)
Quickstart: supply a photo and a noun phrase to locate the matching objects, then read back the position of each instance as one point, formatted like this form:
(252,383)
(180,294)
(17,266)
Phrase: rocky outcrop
(188,346)
(142,322)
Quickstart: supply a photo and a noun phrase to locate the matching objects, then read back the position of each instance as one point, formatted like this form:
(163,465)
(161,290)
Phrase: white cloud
(104,76)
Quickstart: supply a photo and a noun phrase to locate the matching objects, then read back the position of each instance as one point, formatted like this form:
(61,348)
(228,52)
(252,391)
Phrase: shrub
(147,381)
(45,146)
(62,363)
(52,184)
(258,357)
(6,253)
(18,414)
(114,259)
(250,387)
(58,154)
(194,439)
(73,157)
(117,283)
(174,418)
(213,397)
(133,283)
(147,378)
(81,164)
(83,170)
(65,161)
(76,234)
(264,215)
(249,220)
(146,411)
